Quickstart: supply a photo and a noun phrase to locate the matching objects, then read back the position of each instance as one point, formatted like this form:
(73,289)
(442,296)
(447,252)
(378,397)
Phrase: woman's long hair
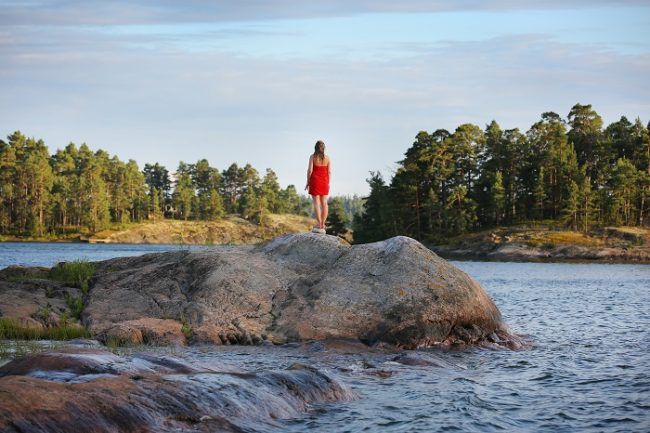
(319,151)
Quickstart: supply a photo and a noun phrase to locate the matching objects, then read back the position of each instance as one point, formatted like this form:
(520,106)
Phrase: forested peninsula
(452,191)
(77,193)
(572,173)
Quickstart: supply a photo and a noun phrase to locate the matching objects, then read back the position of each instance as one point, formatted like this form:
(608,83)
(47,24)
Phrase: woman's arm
(310,168)
(329,168)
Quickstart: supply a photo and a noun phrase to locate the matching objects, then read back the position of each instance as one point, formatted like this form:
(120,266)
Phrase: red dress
(319,181)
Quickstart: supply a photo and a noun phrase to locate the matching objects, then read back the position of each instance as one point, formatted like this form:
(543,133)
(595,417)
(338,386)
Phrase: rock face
(27,296)
(84,390)
(296,287)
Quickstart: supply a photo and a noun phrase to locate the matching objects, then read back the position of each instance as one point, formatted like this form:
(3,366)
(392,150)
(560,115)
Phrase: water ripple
(588,370)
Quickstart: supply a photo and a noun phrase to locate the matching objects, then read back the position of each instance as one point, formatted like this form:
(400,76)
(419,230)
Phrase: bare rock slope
(295,287)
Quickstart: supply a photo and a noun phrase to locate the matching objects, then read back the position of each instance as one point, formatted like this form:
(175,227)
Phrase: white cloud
(99,12)
(167,104)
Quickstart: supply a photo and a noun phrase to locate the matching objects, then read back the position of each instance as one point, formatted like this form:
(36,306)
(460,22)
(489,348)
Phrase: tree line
(77,189)
(569,171)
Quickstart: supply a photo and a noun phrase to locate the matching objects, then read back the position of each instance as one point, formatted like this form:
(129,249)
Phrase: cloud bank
(167,95)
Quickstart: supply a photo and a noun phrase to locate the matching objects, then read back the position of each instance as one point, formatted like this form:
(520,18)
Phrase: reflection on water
(589,369)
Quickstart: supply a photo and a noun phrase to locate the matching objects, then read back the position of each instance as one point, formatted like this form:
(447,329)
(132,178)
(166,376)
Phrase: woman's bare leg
(323,210)
(317,209)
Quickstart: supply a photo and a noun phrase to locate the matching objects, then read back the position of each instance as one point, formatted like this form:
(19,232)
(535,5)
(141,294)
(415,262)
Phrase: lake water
(588,370)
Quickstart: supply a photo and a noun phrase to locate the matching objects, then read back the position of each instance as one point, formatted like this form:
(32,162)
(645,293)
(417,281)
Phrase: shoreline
(622,245)
(547,244)
(461,257)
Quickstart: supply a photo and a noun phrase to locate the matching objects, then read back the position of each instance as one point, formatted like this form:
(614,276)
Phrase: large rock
(298,287)
(88,390)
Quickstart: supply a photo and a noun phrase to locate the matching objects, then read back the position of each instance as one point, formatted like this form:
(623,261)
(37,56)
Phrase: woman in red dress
(318,183)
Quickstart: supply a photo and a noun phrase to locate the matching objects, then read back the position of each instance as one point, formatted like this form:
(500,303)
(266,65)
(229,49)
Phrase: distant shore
(228,230)
(526,244)
(517,243)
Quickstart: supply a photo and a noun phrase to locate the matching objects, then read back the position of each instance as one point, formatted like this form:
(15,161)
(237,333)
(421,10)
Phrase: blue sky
(261,81)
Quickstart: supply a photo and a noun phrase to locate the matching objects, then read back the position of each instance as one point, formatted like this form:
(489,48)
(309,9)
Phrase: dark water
(589,369)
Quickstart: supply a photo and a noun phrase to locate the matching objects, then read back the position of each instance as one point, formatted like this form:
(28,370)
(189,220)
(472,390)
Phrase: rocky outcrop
(83,390)
(34,301)
(296,287)
(520,252)
(611,244)
(144,331)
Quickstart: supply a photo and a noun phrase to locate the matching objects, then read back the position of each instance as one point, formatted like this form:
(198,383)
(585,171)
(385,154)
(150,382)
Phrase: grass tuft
(76,273)
(10,329)
(75,304)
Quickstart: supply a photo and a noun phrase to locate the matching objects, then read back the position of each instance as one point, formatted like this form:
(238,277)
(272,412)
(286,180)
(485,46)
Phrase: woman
(318,184)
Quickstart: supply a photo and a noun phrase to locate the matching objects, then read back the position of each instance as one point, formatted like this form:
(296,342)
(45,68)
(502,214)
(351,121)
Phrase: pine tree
(155,212)
(624,191)
(337,219)
(289,201)
(184,195)
(586,136)
(156,177)
(498,197)
(540,193)
(586,204)
(460,209)
(376,222)
(270,190)
(572,206)
(214,209)
(7,187)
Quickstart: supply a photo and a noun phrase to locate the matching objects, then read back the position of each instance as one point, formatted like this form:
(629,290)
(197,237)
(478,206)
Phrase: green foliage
(447,183)
(75,304)
(185,328)
(375,223)
(80,191)
(184,194)
(44,313)
(498,198)
(76,273)
(571,172)
(11,329)
(337,219)
(572,206)
(352,206)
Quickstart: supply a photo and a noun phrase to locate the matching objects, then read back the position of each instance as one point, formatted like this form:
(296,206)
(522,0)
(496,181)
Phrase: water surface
(589,368)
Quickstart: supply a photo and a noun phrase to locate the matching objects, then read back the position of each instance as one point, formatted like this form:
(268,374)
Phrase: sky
(254,81)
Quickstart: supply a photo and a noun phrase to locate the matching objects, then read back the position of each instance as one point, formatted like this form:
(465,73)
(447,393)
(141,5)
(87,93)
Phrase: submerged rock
(90,390)
(294,288)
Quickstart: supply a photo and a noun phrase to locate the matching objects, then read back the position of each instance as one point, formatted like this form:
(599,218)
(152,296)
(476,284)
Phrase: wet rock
(421,359)
(90,390)
(339,345)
